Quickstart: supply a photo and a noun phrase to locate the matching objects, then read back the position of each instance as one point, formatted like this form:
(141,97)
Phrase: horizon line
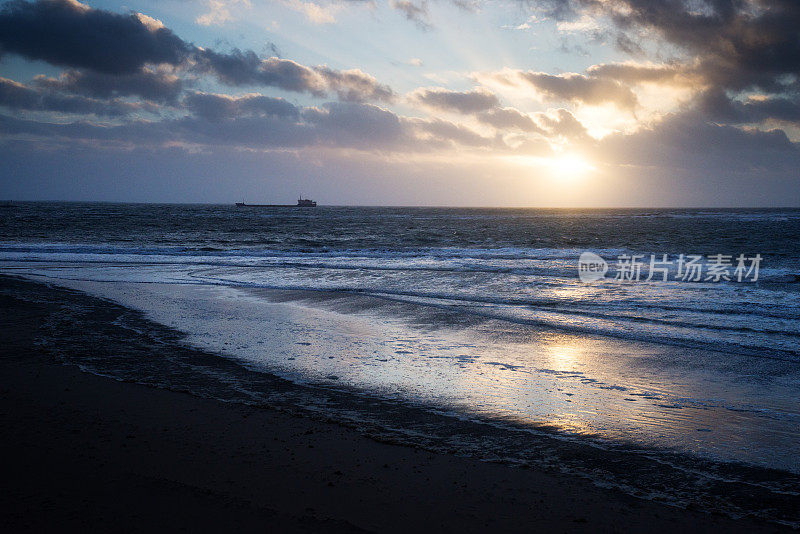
(696,207)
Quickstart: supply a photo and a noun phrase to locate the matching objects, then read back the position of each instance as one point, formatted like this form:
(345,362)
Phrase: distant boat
(301,203)
(10,204)
(305,203)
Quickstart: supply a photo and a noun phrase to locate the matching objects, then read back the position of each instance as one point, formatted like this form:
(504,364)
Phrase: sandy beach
(85,451)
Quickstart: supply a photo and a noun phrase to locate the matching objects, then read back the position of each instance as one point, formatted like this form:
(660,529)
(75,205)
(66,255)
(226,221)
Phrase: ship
(301,203)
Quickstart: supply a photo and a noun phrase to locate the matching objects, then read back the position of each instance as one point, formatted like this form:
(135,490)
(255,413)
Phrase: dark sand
(84,451)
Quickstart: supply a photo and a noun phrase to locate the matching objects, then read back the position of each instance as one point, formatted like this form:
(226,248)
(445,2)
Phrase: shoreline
(86,450)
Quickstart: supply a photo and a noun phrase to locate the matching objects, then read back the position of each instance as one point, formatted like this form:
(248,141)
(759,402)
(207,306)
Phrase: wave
(532,286)
(511,253)
(619,327)
(562,262)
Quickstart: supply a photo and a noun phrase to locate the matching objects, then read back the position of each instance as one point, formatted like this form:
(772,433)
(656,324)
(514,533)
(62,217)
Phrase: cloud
(16,96)
(260,122)
(149,84)
(561,122)
(485,106)
(66,32)
(216,107)
(356,125)
(220,12)
(682,159)
(314,12)
(739,44)
(739,58)
(635,73)
(462,102)
(117,54)
(353,85)
(717,106)
(416,12)
(571,87)
(707,153)
(246,68)
(445,134)
(551,124)
(508,119)
(584,23)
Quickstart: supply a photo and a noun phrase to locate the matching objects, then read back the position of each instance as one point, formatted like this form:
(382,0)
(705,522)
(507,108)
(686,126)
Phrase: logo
(591,267)
(666,268)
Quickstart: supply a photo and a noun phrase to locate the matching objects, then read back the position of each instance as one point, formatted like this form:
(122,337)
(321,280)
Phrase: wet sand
(85,451)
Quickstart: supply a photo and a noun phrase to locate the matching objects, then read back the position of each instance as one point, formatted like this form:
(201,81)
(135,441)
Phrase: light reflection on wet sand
(647,394)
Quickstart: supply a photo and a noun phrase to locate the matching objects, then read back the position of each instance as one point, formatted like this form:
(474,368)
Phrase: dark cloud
(256,132)
(445,133)
(687,140)
(148,84)
(462,102)
(246,68)
(739,44)
(628,45)
(354,124)
(116,53)
(261,122)
(17,96)
(216,107)
(65,32)
(740,57)
(684,160)
(771,108)
(715,105)
(354,85)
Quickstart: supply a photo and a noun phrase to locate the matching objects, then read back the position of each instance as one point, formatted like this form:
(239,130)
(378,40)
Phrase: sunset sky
(405,102)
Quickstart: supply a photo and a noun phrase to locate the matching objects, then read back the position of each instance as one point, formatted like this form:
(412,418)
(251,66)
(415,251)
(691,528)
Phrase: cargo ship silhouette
(301,203)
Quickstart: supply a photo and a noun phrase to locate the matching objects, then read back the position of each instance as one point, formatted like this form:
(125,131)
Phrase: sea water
(476,313)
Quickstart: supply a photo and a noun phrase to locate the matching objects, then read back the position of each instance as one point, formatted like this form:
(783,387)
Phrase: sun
(562,167)
(569,166)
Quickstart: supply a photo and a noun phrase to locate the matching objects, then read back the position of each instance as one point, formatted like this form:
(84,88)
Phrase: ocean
(479,316)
